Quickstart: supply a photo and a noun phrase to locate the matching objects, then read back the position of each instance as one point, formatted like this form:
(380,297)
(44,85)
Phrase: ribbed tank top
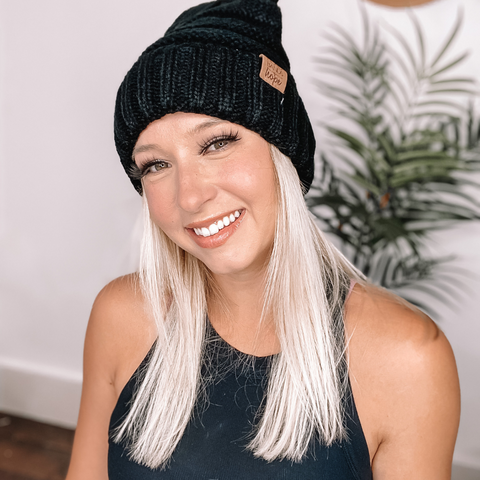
(213,445)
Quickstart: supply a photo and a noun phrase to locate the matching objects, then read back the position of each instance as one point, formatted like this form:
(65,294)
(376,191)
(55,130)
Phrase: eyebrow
(206,124)
(198,128)
(143,148)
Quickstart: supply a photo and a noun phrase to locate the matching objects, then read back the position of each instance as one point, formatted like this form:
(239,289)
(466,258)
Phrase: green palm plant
(407,148)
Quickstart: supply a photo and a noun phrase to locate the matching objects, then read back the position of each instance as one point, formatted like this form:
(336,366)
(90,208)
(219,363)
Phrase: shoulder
(120,330)
(117,303)
(401,336)
(404,380)
(123,291)
(375,316)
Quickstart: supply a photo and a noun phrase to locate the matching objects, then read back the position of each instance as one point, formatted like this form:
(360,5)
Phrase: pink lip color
(219,238)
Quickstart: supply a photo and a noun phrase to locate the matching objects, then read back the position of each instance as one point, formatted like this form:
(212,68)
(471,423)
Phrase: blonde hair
(306,282)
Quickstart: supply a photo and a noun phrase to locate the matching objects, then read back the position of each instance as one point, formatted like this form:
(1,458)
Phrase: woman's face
(210,186)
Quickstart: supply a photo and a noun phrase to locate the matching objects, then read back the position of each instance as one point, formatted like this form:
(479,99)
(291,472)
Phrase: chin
(224,268)
(235,266)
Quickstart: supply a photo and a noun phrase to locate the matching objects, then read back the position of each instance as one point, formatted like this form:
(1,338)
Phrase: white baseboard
(467,461)
(45,394)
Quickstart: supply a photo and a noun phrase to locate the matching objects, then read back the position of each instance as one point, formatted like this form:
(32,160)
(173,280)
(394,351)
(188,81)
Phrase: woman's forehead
(189,122)
(184,124)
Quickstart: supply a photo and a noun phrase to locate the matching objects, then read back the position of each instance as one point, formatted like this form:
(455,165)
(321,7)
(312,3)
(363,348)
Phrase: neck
(237,315)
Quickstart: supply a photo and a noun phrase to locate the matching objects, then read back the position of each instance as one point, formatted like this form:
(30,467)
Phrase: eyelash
(138,173)
(225,137)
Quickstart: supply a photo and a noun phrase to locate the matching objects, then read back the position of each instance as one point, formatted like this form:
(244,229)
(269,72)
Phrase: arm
(406,387)
(89,454)
(419,432)
(118,337)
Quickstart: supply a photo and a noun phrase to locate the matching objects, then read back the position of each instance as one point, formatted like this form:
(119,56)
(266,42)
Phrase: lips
(210,234)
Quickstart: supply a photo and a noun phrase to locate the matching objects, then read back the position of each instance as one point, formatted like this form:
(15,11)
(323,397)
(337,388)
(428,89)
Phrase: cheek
(161,209)
(262,188)
(253,181)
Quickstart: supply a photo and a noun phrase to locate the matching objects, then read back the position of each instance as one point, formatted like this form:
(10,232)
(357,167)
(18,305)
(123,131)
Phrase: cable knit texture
(209,62)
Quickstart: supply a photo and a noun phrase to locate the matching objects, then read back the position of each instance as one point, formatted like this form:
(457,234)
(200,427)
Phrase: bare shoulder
(116,305)
(377,317)
(120,328)
(405,385)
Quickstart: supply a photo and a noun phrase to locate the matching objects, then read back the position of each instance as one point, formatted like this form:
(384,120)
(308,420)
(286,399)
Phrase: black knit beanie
(224,59)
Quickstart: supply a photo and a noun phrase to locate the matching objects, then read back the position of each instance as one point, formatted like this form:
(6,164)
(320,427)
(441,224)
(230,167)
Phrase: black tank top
(213,445)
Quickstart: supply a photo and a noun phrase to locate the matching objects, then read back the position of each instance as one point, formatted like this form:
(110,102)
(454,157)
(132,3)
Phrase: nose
(195,188)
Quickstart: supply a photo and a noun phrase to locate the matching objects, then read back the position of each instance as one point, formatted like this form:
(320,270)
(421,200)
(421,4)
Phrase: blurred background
(70,220)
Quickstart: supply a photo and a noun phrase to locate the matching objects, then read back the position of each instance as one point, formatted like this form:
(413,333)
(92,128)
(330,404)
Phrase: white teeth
(216,227)
(213,229)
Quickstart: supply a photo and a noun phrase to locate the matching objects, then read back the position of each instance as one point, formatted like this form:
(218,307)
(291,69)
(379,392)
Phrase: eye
(219,145)
(154,166)
(219,142)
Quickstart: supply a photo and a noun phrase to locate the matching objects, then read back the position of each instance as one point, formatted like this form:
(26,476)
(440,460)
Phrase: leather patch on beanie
(273,74)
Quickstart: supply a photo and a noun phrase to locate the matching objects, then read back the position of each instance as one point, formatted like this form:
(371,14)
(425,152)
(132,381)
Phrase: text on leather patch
(273,74)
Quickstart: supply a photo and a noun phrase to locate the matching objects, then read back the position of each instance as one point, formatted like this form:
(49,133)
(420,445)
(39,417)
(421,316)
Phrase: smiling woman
(198,173)
(247,346)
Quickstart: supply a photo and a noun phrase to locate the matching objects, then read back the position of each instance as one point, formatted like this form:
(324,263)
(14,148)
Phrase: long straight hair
(306,282)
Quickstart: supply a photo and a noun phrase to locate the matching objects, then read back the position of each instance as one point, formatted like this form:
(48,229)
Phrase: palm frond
(449,40)
(415,145)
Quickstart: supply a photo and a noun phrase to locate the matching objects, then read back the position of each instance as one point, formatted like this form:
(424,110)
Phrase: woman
(247,347)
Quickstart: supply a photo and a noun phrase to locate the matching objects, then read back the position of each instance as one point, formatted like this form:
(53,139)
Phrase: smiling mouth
(219,225)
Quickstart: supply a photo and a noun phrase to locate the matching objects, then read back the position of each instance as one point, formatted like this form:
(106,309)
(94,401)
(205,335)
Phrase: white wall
(68,216)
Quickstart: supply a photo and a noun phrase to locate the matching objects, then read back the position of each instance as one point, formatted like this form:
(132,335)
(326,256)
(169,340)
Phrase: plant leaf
(448,42)
(450,65)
